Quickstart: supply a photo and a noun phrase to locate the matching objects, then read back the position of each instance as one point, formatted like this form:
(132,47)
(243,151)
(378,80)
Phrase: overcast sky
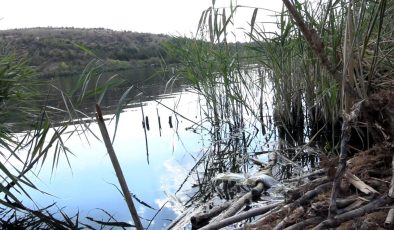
(176,17)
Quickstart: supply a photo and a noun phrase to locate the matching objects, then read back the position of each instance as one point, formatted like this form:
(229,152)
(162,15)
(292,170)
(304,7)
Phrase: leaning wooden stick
(345,137)
(118,170)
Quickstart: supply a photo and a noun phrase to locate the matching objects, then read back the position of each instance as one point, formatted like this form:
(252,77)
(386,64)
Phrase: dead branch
(391,190)
(345,137)
(290,219)
(317,172)
(389,222)
(337,220)
(237,205)
(307,197)
(202,219)
(346,201)
(303,224)
(234,219)
(359,184)
(356,204)
(258,162)
(314,41)
(283,211)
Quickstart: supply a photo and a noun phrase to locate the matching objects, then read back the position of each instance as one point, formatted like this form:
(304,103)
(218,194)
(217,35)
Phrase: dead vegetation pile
(354,191)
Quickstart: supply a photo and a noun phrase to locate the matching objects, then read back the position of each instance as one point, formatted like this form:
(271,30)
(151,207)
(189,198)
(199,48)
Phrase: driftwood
(337,220)
(307,197)
(239,217)
(389,222)
(359,184)
(308,204)
(341,203)
(303,224)
(356,204)
(202,219)
(283,211)
(258,162)
(245,199)
(290,219)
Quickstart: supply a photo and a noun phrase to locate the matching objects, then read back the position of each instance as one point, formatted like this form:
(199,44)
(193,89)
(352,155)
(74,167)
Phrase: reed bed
(323,57)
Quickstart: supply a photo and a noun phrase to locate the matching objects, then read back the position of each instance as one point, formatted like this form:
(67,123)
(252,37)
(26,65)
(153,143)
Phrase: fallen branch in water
(283,211)
(247,198)
(245,215)
(202,219)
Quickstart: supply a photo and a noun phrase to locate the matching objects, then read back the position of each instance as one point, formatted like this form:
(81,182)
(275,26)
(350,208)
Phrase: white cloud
(171,16)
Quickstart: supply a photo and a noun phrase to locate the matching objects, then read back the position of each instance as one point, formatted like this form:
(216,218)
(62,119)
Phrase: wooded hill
(63,51)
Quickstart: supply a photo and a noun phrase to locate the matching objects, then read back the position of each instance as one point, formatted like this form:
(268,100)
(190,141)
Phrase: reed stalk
(323,57)
(117,168)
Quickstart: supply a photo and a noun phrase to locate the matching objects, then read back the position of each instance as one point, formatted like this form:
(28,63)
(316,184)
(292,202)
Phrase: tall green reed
(33,132)
(219,71)
(323,57)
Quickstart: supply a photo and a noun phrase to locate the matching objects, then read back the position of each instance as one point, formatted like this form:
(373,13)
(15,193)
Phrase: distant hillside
(61,51)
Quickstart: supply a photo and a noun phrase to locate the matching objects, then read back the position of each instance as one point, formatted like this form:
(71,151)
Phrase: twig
(118,170)
(158,211)
(346,128)
(316,172)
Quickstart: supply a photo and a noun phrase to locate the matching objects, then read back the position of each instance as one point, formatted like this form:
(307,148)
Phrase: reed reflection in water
(91,183)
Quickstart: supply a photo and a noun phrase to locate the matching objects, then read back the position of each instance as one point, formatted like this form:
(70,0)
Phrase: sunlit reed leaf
(142,202)
(122,102)
(253,20)
(111,223)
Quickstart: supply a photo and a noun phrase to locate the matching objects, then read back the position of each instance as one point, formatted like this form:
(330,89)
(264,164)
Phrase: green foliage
(15,93)
(57,51)
(317,65)
(219,72)
(30,131)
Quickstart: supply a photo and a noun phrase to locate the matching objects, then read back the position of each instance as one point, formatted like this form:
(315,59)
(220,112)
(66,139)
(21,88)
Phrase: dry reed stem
(118,170)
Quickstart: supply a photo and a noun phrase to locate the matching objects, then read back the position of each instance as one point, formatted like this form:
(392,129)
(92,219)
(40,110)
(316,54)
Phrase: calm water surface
(90,184)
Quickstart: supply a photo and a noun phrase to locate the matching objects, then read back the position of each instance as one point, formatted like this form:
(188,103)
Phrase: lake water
(90,186)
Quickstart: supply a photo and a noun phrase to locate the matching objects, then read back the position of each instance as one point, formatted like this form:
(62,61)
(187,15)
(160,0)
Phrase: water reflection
(91,183)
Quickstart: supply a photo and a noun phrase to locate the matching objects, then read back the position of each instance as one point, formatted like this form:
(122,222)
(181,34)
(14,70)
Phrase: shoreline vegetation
(328,74)
(67,51)
(328,68)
